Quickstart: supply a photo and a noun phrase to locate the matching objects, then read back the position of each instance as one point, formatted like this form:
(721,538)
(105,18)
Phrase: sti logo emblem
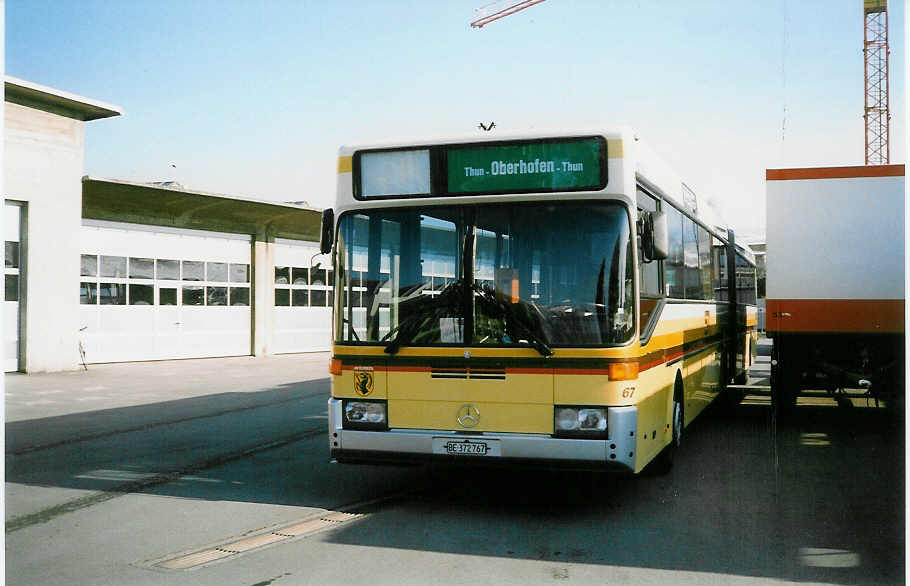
(363,382)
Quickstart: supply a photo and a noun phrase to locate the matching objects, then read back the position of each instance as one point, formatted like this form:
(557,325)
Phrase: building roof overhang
(39,97)
(116,200)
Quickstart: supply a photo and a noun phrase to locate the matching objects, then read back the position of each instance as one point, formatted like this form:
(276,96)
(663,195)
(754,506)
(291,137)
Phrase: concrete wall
(263,297)
(43,167)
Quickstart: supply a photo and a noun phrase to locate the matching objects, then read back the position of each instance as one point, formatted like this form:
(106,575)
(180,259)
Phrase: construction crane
(875,51)
(496,10)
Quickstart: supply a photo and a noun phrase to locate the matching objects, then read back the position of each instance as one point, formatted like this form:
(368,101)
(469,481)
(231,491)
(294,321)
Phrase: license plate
(472,447)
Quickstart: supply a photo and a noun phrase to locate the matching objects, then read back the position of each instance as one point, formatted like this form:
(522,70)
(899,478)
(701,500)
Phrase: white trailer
(835,281)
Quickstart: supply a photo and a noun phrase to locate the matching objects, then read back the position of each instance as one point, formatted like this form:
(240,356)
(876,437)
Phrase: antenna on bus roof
(488,127)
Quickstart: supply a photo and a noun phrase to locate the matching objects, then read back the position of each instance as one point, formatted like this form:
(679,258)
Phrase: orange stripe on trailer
(848,316)
(834,172)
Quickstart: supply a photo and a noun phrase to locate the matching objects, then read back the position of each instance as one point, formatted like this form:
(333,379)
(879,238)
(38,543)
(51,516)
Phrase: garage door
(303,298)
(154,293)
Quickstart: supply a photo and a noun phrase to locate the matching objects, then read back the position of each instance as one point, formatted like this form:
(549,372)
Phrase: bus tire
(663,463)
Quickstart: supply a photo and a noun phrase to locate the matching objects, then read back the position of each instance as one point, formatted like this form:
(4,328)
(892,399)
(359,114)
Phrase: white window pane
(193,271)
(168,269)
(240,273)
(216,271)
(142,268)
(89,265)
(113,266)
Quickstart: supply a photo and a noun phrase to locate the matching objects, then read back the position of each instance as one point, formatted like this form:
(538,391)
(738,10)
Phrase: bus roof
(649,168)
(614,133)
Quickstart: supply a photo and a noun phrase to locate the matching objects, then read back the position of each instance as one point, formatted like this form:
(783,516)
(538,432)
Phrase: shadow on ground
(26,435)
(822,500)
(831,510)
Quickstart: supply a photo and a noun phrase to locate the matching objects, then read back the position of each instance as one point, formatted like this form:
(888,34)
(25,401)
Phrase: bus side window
(649,273)
(674,266)
(719,280)
(693,282)
(706,263)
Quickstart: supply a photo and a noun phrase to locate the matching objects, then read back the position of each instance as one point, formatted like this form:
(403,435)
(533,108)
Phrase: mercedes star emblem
(468,416)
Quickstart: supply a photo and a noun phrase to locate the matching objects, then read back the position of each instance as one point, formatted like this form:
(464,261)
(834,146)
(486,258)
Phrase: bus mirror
(327,231)
(655,242)
(660,239)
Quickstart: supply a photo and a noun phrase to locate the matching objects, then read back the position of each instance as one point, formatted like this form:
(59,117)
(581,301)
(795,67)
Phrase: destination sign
(519,166)
(563,165)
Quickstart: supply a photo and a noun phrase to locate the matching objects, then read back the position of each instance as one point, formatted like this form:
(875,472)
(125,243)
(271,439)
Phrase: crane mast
(875,52)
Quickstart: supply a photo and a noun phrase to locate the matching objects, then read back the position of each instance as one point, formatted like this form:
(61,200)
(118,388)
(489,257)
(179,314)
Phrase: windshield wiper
(423,309)
(518,320)
(404,333)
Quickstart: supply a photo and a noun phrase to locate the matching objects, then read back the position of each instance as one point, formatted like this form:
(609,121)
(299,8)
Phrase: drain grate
(196,559)
(286,533)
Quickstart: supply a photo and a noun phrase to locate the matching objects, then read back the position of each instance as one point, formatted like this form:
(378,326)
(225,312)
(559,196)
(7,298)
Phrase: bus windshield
(539,275)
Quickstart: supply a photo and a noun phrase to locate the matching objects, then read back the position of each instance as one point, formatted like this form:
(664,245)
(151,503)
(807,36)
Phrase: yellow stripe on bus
(614,148)
(344,164)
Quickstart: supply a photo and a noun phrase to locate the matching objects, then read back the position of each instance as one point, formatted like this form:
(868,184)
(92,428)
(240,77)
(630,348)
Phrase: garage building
(162,272)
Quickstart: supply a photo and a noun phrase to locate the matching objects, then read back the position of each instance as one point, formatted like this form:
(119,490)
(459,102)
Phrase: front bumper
(404,446)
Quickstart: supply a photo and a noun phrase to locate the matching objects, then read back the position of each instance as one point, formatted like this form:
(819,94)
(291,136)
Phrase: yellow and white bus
(553,300)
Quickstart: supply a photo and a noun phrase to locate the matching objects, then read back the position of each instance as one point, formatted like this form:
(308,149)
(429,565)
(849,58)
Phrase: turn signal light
(335,366)
(622,370)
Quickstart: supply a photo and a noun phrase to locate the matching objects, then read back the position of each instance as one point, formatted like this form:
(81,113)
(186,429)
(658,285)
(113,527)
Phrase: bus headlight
(579,421)
(360,414)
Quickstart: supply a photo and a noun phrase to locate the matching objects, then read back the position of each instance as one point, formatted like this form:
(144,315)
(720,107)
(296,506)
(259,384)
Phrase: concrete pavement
(246,452)
(50,409)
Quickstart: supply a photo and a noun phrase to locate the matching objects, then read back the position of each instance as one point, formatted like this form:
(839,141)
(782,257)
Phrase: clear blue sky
(254,97)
